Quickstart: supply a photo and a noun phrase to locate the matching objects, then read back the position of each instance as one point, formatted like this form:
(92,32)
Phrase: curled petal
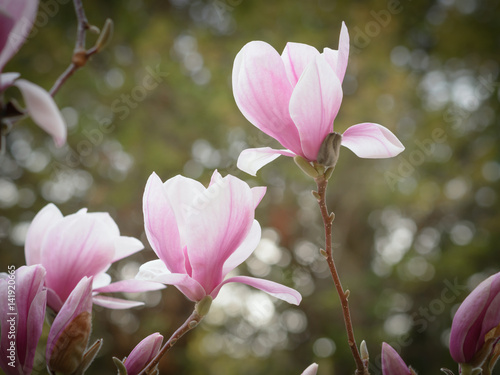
(258,193)
(244,250)
(7,80)
(43,110)
(253,159)
(314,105)
(270,287)
(115,303)
(262,92)
(296,56)
(338,59)
(311,370)
(130,286)
(125,246)
(371,141)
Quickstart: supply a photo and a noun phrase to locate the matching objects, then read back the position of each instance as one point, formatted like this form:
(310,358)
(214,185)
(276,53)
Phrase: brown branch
(190,323)
(322,182)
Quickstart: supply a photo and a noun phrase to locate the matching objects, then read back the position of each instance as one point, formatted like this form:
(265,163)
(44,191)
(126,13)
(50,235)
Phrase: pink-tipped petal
(296,56)
(23,13)
(125,246)
(314,105)
(143,353)
(161,226)
(244,250)
(156,271)
(258,193)
(371,141)
(270,287)
(392,364)
(115,303)
(130,286)
(45,219)
(222,221)
(262,92)
(311,370)
(338,59)
(43,110)
(253,159)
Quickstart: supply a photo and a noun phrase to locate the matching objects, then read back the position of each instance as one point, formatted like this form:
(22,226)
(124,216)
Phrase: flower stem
(191,322)
(320,195)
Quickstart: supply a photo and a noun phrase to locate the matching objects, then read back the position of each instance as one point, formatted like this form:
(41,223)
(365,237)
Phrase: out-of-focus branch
(80,54)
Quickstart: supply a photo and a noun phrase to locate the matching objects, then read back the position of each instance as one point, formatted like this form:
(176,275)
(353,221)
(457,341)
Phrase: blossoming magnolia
(22,312)
(392,364)
(78,245)
(201,234)
(295,98)
(143,353)
(16,21)
(474,323)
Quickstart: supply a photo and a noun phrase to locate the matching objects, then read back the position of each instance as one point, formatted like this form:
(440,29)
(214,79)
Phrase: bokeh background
(412,234)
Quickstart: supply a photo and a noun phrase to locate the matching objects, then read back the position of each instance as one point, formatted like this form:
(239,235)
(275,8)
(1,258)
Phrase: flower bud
(311,370)
(70,332)
(475,328)
(392,364)
(143,353)
(328,153)
(105,35)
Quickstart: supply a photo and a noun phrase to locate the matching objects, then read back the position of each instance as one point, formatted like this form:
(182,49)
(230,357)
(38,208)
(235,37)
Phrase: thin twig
(80,55)
(322,183)
(191,322)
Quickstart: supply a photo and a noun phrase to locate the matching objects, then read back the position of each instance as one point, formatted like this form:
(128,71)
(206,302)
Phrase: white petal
(253,159)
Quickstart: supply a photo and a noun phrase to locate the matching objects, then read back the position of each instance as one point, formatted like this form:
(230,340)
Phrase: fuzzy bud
(328,153)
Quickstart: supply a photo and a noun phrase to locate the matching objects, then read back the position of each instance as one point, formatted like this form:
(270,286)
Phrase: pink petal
(7,80)
(130,286)
(392,364)
(6,25)
(44,219)
(270,287)
(105,219)
(311,370)
(338,59)
(371,141)
(262,92)
(78,246)
(296,56)
(258,193)
(79,301)
(115,303)
(126,246)
(43,110)
(253,159)
(222,222)
(23,12)
(155,271)
(216,176)
(314,105)
(246,248)
(161,225)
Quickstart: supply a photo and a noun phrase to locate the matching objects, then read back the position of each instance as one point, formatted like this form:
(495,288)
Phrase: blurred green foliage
(412,234)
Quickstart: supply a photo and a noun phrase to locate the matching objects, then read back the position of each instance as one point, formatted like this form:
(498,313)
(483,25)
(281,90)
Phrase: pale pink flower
(295,98)
(201,234)
(392,364)
(143,353)
(22,313)
(478,314)
(78,245)
(16,21)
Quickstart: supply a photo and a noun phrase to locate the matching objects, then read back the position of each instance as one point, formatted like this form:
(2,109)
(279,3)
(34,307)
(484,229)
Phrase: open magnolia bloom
(201,234)
(78,245)
(295,98)
(476,325)
(16,21)
(22,313)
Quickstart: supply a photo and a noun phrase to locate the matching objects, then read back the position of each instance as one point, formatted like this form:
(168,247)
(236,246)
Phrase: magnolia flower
(79,245)
(295,98)
(143,353)
(476,324)
(16,21)
(22,312)
(311,370)
(392,364)
(201,234)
